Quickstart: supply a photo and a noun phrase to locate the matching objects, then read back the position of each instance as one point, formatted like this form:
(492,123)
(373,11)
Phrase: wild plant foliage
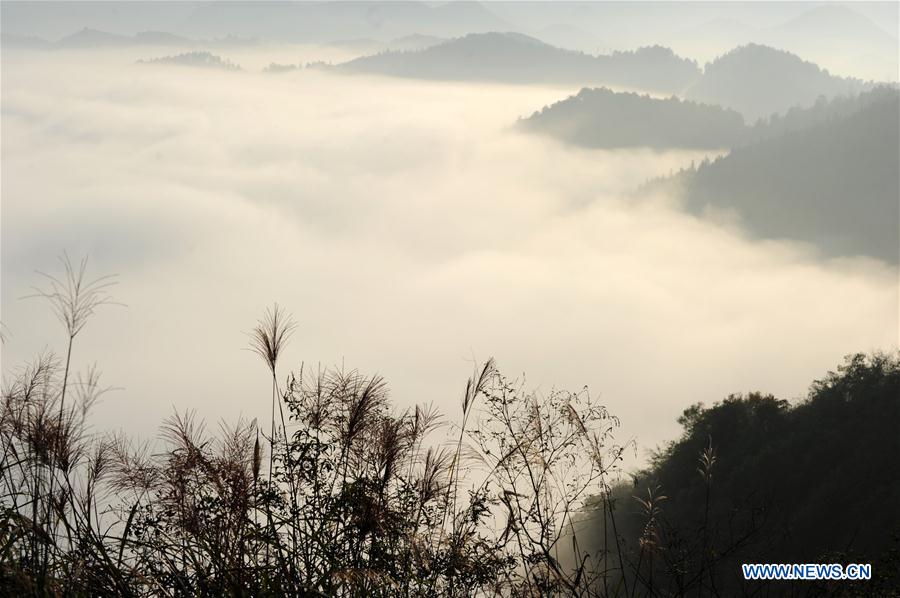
(545,455)
(358,499)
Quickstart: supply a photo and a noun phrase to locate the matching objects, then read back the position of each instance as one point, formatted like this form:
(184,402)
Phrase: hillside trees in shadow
(602,118)
(754,479)
(826,176)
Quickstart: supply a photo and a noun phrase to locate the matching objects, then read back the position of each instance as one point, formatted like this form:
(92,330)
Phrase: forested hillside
(829,180)
(518,58)
(759,81)
(603,118)
(755,479)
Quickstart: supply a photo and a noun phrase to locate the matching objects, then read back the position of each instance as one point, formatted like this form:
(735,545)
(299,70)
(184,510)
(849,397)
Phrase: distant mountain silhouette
(86,38)
(92,38)
(159,38)
(603,118)
(28,42)
(839,21)
(827,176)
(570,37)
(759,81)
(199,59)
(276,67)
(842,34)
(414,42)
(407,43)
(833,35)
(517,58)
(363,46)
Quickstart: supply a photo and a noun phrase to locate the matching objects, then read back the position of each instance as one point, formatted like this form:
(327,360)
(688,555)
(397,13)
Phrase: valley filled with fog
(463,298)
(408,225)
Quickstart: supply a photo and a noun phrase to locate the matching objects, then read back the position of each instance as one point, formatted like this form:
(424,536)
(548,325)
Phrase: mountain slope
(758,81)
(832,183)
(513,57)
(28,42)
(603,118)
(835,23)
(93,38)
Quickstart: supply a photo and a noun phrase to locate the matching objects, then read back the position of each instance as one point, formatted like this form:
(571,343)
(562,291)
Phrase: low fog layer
(408,226)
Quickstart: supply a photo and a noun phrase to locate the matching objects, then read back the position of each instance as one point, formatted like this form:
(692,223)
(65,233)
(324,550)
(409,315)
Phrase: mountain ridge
(518,58)
(602,118)
(759,80)
(831,182)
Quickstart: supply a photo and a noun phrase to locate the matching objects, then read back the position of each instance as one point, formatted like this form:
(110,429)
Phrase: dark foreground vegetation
(756,480)
(339,494)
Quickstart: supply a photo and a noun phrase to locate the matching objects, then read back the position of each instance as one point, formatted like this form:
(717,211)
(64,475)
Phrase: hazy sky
(55,19)
(407,227)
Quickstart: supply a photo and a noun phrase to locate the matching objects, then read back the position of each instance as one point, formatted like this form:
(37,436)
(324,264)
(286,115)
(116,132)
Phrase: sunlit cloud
(409,228)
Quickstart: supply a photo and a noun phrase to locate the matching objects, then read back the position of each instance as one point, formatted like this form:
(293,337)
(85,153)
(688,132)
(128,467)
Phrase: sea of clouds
(408,227)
